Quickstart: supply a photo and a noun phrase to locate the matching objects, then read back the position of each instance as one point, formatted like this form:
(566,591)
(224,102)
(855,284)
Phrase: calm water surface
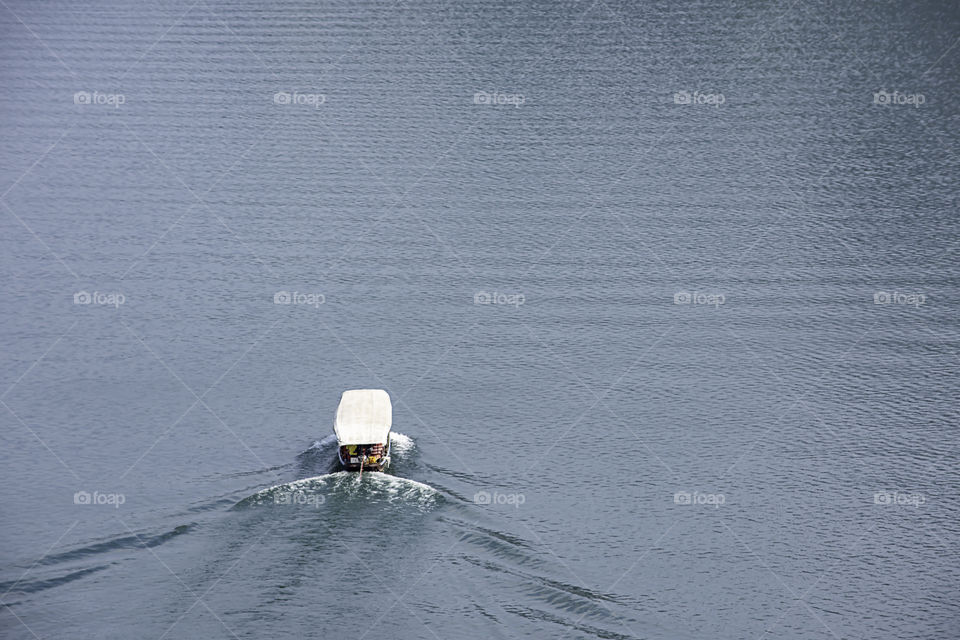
(665,295)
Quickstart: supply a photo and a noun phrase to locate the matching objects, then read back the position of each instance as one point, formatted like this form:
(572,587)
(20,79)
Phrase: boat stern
(369,457)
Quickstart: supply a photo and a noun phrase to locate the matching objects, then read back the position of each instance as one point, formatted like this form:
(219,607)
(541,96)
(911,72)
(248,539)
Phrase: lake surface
(665,295)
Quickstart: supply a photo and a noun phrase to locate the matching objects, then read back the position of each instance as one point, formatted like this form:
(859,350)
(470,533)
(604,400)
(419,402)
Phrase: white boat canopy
(363,417)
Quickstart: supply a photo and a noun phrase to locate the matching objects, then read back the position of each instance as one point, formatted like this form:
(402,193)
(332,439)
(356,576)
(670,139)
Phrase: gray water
(713,393)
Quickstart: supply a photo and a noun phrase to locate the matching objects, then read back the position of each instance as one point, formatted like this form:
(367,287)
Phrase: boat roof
(363,417)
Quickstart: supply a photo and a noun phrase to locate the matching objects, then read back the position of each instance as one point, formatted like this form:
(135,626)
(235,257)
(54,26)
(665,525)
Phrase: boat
(362,426)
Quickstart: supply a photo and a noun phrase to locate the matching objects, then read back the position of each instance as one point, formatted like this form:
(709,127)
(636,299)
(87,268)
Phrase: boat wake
(344,487)
(400,445)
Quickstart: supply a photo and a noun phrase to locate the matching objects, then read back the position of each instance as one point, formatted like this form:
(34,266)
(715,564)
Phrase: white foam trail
(400,443)
(397,482)
(319,444)
(393,488)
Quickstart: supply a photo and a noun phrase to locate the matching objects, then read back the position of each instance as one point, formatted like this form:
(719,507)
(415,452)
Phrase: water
(551,438)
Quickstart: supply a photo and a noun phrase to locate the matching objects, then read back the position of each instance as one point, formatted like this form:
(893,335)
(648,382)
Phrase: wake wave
(321,444)
(344,486)
(400,444)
